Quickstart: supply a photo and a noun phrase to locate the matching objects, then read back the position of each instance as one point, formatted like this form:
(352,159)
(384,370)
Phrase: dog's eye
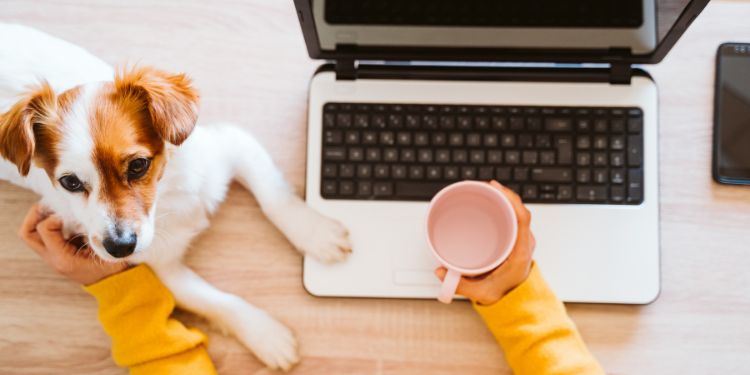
(71,183)
(137,168)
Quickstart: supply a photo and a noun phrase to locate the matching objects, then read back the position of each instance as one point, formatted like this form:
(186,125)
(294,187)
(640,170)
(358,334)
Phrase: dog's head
(104,148)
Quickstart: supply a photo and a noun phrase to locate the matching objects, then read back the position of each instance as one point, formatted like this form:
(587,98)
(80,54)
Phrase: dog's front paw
(272,342)
(322,238)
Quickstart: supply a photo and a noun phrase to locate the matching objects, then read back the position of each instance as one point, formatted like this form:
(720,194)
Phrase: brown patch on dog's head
(132,119)
(30,130)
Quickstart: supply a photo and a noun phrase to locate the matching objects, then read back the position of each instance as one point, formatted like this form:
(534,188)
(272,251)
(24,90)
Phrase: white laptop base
(587,253)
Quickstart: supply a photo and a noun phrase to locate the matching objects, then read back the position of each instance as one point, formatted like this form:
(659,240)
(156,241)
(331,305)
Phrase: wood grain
(249,60)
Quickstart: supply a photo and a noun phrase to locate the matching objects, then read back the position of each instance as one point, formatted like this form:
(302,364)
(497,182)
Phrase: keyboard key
(395,121)
(430,122)
(439,139)
(482,122)
(334,153)
(346,188)
(564,192)
(517,123)
(558,124)
(424,155)
(361,121)
(382,189)
(329,187)
(490,140)
(330,170)
(369,138)
(635,185)
(547,158)
(617,143)
(601,125)
(450,173)
(378,121)
(512,157)
(564,149)
(356,154)
(526,141)
(329,120)
(635,151)
(583,159)
(372,154)
(591,193)
(390,154)
(408,155)
(424,190)
(583,125)
(520,174)
(552,174)
(333,137)
(583,142)
(469,173)
(346,170)
(464,122)
(387,139)
(416,172)
(499,123)
(502,174)
(508,140)
(447,122)
(398,171)
(460,156)
(617,159)
(601,176)
(529,192)
(477,156)
(364,171)
(617,125)
(494,157)
(403,138)
(530,157)
(600,159)
(412,122)
(344,120)
(474,140)
(421,139)
(382,171)
(617,194)
(583,176)
(617,176)
(456,139)
(534,124)
(600,142)
(543,141)
(443,156)
(486,173)
(635,125)
(434,173)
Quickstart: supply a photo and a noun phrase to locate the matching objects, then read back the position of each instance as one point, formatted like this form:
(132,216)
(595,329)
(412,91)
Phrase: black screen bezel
(610,56)
(724,175)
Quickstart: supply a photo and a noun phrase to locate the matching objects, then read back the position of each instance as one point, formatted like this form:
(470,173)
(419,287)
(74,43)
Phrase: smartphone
(731,155)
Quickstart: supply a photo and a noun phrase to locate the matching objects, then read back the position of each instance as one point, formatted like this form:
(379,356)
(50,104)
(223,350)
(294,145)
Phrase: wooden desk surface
(249,61)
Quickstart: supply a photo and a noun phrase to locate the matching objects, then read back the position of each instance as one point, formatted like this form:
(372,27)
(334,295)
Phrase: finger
(50,230)
(28,232)
(440,272)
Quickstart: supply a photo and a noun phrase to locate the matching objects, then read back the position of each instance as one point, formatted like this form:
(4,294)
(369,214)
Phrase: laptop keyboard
(572,155)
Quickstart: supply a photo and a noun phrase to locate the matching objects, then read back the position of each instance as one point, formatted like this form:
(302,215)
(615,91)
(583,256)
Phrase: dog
(119,157)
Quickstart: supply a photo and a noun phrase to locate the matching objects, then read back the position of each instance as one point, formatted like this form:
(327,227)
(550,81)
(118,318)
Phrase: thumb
(50,230)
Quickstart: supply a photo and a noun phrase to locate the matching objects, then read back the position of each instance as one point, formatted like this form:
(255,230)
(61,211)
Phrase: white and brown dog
(119,158)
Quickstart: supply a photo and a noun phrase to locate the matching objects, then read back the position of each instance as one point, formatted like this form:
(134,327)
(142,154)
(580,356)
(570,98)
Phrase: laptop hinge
(620,73)
(345,69)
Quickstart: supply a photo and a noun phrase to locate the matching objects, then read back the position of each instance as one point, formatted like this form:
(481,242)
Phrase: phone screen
(732,117)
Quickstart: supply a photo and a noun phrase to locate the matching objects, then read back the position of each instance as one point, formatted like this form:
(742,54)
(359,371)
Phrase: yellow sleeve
(135,309)
(535,332)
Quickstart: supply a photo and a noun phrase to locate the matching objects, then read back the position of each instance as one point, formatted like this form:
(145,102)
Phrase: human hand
(488,288)
(43,233)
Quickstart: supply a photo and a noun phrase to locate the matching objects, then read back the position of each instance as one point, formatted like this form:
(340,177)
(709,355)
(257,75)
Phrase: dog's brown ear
(170,99)
(17,126)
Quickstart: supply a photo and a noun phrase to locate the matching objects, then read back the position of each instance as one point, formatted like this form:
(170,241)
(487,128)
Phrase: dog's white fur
(194,184)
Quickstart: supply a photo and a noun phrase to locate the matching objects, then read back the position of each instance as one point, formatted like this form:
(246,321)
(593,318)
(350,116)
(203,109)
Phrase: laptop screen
(637,25)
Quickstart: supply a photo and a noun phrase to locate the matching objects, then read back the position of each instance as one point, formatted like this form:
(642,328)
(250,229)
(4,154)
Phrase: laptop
(540,95)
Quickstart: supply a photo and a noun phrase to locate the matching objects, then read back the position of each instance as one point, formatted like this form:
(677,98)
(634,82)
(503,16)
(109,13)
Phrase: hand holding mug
(488,287)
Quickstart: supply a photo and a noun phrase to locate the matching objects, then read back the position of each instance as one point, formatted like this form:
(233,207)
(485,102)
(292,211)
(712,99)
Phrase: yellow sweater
(533,328)
(529,323)
(135,309)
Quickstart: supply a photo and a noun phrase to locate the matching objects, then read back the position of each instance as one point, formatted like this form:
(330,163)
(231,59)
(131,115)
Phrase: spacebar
(421,190)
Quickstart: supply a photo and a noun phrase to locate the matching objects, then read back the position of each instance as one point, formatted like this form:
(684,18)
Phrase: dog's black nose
(121,246)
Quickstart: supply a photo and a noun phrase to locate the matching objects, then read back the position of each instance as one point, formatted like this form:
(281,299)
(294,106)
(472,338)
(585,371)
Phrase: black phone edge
(715,148)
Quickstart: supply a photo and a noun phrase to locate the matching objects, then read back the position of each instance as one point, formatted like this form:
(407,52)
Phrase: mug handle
(448,289)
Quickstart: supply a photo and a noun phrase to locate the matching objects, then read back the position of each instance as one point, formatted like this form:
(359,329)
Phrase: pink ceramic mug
(471,229)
